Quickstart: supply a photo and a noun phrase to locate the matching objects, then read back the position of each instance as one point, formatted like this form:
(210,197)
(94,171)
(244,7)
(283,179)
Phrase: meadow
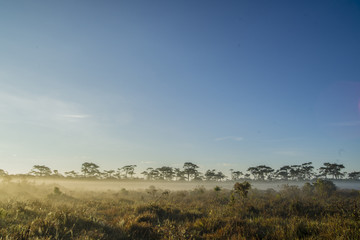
(48,210)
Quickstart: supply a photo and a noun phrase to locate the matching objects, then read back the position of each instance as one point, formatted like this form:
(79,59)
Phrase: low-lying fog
(96,185)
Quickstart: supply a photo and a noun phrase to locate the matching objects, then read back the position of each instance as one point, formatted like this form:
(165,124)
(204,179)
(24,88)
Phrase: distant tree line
(190,172)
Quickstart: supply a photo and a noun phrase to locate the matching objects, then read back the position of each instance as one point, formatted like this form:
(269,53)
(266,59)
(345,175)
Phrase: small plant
(242,189)
(57,191)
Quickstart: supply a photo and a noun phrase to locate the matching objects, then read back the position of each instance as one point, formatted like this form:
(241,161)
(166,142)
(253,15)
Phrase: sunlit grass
(29,211)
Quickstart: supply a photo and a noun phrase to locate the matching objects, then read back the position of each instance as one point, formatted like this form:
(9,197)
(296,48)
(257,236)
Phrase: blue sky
(158,83)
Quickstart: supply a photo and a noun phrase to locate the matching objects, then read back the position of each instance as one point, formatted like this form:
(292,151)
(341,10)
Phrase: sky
(225,85)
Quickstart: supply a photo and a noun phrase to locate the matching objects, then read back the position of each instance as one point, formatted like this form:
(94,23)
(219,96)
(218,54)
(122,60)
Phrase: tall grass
(29,211)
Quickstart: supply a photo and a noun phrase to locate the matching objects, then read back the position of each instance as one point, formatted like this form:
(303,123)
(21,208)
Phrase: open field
(73,211)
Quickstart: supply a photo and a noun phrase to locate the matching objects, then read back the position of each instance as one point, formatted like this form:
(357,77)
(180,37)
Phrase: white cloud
(229,138)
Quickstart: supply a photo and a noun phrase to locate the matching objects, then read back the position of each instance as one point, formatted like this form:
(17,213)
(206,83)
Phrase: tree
(295,172)
(57,174)
(90,169)
(283,173)
(236,175)
(219,176)
(261,172)
(324,188)
(146,175)
(40,170)
(242,189)
(3,173)
(210,175)
(129,170)
(307,170)
(354,175)
(108,174)
(190,170)
(71,174)
(179,175)
(333,169)
(166,173)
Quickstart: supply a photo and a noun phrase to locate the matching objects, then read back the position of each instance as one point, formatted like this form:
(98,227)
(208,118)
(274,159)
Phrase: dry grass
(29,211)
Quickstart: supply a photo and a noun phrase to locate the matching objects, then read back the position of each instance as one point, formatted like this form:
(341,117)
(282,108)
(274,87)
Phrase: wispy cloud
(346,124)
(233,138)
(39,110)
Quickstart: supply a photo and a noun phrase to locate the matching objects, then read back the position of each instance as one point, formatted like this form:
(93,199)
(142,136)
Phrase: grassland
(48,211)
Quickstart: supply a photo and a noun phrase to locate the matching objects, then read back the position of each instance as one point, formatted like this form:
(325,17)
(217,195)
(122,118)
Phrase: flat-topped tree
(40,171)
(354,175)
(236,175)
(128,170)
(166,173)
(307,170)
(90,169)
(190,169)
(332,169)
(260,172)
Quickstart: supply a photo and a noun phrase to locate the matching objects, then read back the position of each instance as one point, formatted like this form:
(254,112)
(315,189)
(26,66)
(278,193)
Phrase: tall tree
(90,169)
(166,173)
(236,175)
(190,170)
(261,172)
(210,175)
(128,170)
(179,175)
(219,176)
(333,169)
(307,170)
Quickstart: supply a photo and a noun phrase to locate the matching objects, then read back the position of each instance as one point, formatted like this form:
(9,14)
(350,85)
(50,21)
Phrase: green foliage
(324,187)
(242,189)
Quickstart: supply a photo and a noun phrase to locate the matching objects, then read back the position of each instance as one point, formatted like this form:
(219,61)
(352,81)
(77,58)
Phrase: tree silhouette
(40,170)
(90,169)
(354,175)
(190,169)
(333,169)
(283,173)
(260,172)
(166,173)
(236,175)
(179,175)
(210,175)
(71,174)
(219,176)
(307,170)
(128,170)
(108,174)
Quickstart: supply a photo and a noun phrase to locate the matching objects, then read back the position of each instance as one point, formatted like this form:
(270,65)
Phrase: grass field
(50,211)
